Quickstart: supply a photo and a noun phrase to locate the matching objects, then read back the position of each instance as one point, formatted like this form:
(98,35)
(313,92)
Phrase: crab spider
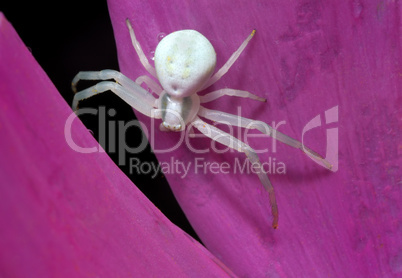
(184,65)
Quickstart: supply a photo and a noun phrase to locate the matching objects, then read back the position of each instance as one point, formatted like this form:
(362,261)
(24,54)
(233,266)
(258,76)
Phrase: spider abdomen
(184,61)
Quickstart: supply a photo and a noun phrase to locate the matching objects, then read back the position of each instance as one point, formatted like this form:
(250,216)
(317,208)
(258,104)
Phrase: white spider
(184,63)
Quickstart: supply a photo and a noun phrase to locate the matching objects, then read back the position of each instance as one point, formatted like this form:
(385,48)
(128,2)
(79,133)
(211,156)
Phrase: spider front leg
(110,74)
(132,93)
(232,142)
(222,117)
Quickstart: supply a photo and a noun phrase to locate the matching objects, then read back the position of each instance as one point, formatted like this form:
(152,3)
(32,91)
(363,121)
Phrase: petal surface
(331,75)
(68,214)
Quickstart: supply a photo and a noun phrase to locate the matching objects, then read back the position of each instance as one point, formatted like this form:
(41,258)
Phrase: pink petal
(306,58)
(68,214)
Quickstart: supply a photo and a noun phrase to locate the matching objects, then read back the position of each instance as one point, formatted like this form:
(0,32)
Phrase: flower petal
(69,214)
(335,67)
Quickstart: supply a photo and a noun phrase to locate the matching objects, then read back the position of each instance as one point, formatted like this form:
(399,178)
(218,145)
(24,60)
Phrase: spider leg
(222,117)
(120,78)
(134,96)
(223,70)
(229,92)
(232,142)
(150,83)
(138,49)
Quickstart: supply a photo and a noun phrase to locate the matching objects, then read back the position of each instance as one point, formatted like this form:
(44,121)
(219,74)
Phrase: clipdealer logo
(332,143)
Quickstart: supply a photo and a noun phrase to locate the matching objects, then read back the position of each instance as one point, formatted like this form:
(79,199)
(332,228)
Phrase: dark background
(71,36)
